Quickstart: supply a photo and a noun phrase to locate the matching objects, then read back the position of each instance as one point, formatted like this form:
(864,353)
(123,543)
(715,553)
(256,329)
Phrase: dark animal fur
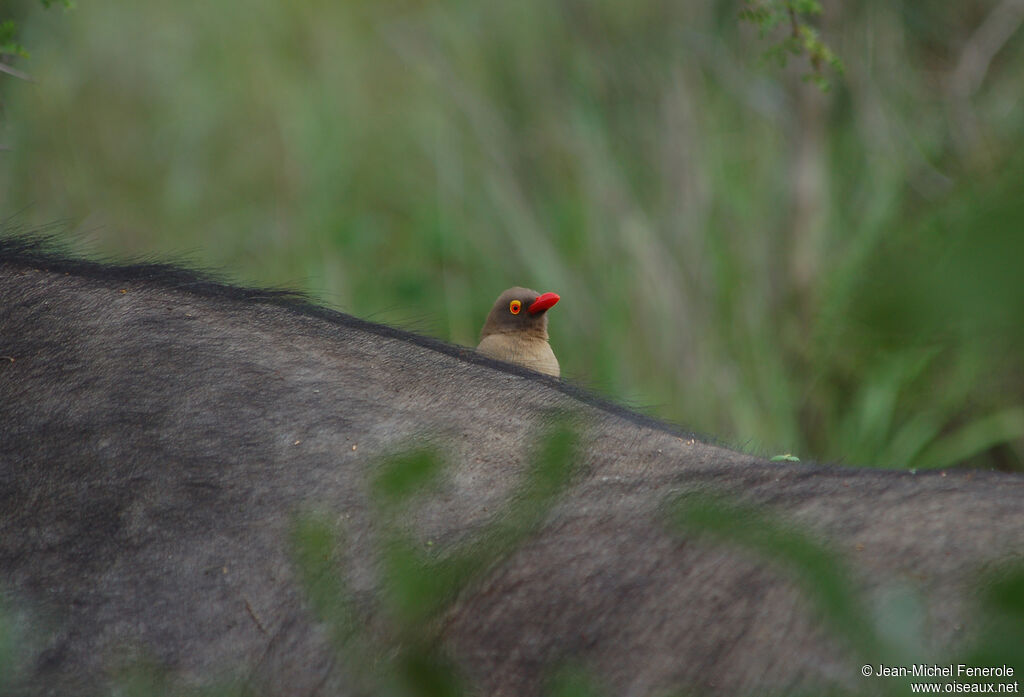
(159,430)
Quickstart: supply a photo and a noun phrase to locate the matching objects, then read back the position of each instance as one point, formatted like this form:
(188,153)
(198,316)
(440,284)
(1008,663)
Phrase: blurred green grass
(833,276)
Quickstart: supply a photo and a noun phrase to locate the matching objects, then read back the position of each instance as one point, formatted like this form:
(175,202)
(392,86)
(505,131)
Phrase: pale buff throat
(516,330)
(531,352)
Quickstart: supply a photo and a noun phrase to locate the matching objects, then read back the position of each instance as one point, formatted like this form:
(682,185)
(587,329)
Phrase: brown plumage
(516,330)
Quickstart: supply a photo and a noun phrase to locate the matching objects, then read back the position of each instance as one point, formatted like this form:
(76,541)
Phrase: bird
(516,330)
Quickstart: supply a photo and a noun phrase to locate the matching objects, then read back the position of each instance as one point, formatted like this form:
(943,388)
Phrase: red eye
(514,307)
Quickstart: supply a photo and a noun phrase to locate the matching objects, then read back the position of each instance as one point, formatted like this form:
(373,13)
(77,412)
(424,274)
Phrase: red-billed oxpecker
(517,330)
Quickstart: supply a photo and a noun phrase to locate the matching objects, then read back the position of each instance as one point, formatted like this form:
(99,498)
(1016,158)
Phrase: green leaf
(314,542)
(821,574)
(402,477)
(416,587)
(801,38)
(8,45)
(974,438)
(427,673)
(785,458)
(573,681)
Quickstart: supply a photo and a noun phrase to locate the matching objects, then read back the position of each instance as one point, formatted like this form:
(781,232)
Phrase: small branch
(986,41)
(14,72)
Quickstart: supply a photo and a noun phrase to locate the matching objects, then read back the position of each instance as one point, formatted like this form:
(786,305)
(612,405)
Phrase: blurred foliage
(829,275)
(572,681)
(8,641)
(399,653)
(9,44)
(826,581)
(390,642)
(893,631)
(1002,640)
(419,581)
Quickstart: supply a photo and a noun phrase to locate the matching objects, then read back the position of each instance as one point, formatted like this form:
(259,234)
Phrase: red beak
(543,303)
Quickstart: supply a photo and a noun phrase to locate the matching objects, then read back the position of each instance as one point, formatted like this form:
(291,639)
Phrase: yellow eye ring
(514,307)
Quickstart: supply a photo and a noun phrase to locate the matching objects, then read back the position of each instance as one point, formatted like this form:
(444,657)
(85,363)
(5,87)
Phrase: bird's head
(520,309)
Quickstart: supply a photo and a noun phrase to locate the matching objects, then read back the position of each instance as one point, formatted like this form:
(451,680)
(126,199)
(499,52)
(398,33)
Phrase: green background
(834,275)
